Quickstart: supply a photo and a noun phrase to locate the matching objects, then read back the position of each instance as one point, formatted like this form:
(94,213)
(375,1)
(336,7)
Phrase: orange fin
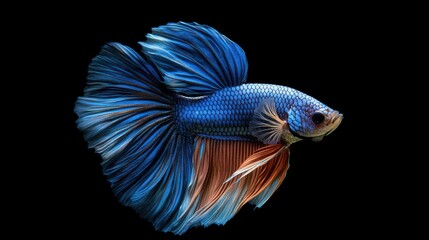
(257,159)
(214,199)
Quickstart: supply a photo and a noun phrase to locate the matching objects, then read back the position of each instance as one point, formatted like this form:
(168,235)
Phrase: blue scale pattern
(228,112)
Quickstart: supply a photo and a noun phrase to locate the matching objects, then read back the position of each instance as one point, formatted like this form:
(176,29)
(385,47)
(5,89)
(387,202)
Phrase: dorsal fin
(195,59)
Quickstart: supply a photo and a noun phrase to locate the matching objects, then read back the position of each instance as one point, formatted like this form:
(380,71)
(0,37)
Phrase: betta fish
(184,141)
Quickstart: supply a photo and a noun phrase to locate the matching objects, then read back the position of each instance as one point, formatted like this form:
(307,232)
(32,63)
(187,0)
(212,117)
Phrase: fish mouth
(336,119)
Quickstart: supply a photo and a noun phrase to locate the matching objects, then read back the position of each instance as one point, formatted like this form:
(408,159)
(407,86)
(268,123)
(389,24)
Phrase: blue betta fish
(184,140)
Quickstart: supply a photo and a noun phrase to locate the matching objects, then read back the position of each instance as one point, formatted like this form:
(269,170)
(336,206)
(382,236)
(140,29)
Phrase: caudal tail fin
(126,115)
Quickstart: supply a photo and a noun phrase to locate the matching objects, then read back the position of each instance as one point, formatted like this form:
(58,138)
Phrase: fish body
(229,111)
(184,141)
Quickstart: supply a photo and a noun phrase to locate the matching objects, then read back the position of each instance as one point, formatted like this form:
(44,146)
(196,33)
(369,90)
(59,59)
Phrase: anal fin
(213,199)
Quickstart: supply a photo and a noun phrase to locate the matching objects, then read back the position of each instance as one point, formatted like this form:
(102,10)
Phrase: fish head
(311,119)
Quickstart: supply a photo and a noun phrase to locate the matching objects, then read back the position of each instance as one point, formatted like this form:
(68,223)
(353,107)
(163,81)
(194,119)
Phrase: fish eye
(318,118)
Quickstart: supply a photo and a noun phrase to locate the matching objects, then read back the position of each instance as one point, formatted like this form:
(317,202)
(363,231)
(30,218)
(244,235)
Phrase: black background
(334,188)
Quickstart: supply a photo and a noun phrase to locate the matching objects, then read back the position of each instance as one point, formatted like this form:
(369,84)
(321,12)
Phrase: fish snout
(336,116)
(335,121)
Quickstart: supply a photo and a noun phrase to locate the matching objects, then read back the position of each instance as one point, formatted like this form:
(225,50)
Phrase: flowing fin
(126,114)
(257,159)
(195,59)
(213,200)
(266,125)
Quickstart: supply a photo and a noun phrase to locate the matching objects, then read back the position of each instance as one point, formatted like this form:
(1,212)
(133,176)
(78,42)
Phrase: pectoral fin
(266,125)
